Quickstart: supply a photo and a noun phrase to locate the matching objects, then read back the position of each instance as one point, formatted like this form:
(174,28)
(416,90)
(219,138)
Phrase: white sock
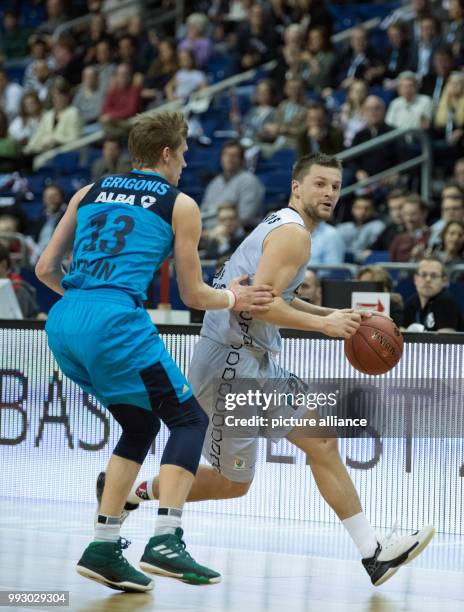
(168,520)
(107,528)
(362,534)
(141,491)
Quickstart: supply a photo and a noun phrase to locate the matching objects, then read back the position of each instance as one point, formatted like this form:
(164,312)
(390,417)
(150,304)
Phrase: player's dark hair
(152,133)
(303,165)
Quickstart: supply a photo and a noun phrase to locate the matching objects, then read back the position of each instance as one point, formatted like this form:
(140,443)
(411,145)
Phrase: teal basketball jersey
(124,233)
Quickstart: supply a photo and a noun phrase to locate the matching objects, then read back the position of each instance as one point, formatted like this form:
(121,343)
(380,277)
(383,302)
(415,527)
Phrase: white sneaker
(395,551)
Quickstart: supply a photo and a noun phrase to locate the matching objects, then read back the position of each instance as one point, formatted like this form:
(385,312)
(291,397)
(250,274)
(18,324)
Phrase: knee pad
(139,428)
(187,423)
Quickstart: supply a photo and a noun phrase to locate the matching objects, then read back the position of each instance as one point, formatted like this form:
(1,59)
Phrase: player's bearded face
(320,191)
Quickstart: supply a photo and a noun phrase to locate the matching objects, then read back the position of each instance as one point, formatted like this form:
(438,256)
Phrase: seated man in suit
(422,50)
(434,82)
(433,306)
(375,160)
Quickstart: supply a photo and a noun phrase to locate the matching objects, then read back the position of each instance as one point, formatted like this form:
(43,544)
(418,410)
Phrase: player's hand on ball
(255,298)
(367,314)
(342,323)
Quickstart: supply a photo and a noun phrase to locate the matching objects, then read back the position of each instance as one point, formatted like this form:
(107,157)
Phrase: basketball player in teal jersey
(120,230)
(241,345)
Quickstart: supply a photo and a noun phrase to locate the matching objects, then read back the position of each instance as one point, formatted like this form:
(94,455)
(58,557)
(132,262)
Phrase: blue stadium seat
(221,66)
(215,119)
(405,288)
(70,184)
(208,157)
(32,210)
(93,153)
(284,157)
(16,72)
(277,180)
(66,162)
(36,182)
(376,257)
(338,98)
(457,289)
(387,96)
(32,14)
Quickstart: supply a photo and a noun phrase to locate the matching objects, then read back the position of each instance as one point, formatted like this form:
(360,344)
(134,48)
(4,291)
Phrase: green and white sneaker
(166,555)
(105,563)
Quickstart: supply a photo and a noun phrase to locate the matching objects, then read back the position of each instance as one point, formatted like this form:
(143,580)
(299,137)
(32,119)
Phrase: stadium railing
(201,99)
(457,272)
(423,160)
(174,14)
(196,100)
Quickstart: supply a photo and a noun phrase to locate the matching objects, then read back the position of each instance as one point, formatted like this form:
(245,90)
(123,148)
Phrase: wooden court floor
(267,565)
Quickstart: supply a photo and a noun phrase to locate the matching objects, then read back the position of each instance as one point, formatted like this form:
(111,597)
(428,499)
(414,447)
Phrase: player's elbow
(43,268)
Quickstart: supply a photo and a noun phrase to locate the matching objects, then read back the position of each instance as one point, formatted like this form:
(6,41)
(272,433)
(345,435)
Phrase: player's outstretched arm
(48,268)
(300,304)
(186,225)
(285,250)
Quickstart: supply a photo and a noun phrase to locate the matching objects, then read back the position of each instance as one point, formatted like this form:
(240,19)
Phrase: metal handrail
(77,21)
(456,270)
(402,266)
(422,160)
(348,267)
(204,94)
(370,24)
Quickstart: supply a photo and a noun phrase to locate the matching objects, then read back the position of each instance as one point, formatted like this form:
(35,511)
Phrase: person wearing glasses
(433,307)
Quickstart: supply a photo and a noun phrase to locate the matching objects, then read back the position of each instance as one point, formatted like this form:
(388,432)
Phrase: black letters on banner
(62,418)
(378,446)
(6,377)
(271,458)
(91,407)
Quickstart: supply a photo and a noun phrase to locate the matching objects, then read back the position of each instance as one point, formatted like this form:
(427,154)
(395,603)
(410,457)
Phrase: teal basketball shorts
(107,344)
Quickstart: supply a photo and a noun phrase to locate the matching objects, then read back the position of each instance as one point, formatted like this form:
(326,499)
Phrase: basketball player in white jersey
(238,345)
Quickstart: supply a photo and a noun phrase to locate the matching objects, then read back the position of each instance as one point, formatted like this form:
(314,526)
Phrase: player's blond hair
(152,133)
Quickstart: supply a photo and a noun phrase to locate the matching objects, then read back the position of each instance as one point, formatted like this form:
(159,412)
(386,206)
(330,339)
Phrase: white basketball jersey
(239,328)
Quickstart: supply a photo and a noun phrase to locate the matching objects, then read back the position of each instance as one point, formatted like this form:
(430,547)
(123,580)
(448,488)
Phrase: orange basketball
(376,347)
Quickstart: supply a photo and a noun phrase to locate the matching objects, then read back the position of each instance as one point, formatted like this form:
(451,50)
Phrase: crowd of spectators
(319,96)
